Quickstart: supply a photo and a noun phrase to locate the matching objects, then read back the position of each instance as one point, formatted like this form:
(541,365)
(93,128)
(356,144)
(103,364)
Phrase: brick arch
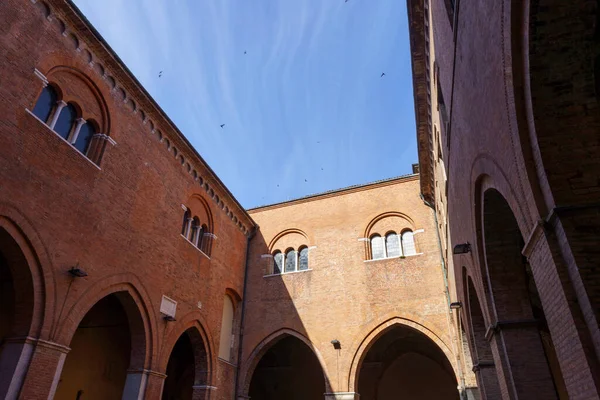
(138,308)
(200,207)
(286,232)
(371,224)
(193,324)
(369,336)
(562,57)
(265,345)
(77,87)
(35,253)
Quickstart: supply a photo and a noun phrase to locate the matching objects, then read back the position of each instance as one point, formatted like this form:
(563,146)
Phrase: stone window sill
(393,258)
(63,139)
(194,246)
(287,273)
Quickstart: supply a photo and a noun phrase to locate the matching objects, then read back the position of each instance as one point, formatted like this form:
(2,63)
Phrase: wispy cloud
(305,102)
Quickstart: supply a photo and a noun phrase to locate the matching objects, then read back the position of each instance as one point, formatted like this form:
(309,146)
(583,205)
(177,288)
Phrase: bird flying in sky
(222,125)
(160,74)
(382,74)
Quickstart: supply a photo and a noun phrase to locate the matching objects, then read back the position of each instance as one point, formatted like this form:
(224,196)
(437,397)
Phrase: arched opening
(483,359)
(520,319)
(109,341)
(226,341)
(288,370)
(187,369)
(404,363)
(16,313)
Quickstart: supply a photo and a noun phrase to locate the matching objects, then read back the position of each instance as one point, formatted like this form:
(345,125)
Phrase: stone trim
(205,387)
(483,364)
(342,396)
(42,77)
(509,324)
(535,235)
(53,346)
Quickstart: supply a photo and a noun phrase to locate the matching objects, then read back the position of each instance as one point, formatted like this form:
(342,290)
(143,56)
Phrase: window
(226,342)
(278,263)
(187,218)
(84,136)
(201,233)
(66,120)
(195,229)
(303,261)
(408,243)
(291,260)
(45,103)
(377,248)
(392,245)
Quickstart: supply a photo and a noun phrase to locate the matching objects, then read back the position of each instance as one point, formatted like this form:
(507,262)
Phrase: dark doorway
(96,367)
(288,370)
(404,363)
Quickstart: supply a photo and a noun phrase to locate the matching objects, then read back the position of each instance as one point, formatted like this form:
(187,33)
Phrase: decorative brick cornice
(138,101)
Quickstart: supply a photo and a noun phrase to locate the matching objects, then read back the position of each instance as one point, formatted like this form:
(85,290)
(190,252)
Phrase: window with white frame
(292,261)
(393,245)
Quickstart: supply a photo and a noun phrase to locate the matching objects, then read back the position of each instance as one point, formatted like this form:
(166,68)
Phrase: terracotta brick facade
(507,97)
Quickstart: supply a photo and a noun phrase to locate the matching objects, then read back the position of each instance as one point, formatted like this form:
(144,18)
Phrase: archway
(483,359)
(109,341)
(520,320)
(16,313)
(187,369)
(289,369)
(403,362)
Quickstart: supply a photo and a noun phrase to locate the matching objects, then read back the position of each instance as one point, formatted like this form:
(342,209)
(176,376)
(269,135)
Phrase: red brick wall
(343,296)
(121,223)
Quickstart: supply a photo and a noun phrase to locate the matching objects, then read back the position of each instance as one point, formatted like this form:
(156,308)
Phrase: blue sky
(304,108)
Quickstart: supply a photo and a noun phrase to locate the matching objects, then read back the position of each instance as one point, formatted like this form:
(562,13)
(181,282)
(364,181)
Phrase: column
(14,360)
(59,106)
(75,133)
(44,370)
(342,396)
(154,384)
(518,349)
(203,392)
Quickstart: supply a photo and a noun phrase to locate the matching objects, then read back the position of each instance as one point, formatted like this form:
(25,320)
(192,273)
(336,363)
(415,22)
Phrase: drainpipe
(461,375)
(243,314)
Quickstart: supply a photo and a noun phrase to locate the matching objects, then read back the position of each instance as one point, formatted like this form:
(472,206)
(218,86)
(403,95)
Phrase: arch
(200,207)
(378,250)
(188,366)
(137,305)
(392,244)
(371,224)
(401,352)
(513,296)
(112,334)
(284,233)
(84,136)
(194,323)
(267,343)
(65,123)
(76,87)
(22,298)
(24,234)
(370,335)
(227,328)
(46,103)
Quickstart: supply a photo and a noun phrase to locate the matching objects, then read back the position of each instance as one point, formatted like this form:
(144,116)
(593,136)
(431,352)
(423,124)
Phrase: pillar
(45,368)
(203,392)
(342,396)
(154,384)
(14,360)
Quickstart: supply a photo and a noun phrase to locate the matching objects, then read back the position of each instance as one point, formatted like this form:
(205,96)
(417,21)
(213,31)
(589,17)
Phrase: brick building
(362,300)
(509,136)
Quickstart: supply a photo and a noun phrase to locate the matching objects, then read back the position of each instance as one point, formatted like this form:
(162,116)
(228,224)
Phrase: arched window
(45,103)
(185,226)
(392,245)
(303,259)
(291,260)
(201,240)
(408,244)
(377,247)
(84,137)
(278,262)
(66,120)
(195,229)
(226,341)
